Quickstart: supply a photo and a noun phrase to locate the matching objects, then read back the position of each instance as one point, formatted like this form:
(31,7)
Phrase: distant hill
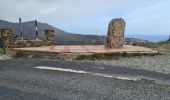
(62,37)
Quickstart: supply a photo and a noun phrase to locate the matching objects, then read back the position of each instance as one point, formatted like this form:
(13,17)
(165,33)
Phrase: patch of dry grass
(163,47)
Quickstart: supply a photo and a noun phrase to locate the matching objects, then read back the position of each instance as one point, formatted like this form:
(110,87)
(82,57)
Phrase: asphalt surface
(20,80)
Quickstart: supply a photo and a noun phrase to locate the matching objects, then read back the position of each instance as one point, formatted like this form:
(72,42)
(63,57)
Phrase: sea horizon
(152,38)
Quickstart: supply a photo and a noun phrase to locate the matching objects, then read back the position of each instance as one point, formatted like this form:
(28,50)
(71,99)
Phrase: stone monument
(115,34)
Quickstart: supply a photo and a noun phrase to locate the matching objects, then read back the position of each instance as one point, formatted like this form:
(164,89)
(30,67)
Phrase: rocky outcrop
(115,34)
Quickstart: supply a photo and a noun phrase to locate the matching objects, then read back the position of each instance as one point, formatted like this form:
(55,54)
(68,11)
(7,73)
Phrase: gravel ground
(19,81)
(14,94)
(159,63)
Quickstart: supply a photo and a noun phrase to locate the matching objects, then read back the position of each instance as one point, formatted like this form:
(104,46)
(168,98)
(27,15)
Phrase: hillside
(62,37)
(163,47)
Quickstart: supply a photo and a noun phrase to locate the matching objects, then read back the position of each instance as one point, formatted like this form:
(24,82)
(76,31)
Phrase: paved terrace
(85,49)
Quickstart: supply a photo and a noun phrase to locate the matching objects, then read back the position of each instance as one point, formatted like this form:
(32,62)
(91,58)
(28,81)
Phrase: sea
(152,38)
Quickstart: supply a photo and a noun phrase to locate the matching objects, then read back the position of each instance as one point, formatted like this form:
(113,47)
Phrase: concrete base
(74,50)
(83,49)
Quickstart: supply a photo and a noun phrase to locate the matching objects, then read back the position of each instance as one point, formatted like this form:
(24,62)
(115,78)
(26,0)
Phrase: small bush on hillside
(112,56)
(149,44)
(18,55)
(1,43)
(168,39)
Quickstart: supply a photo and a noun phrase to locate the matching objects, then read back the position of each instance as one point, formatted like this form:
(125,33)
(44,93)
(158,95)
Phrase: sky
(146,17)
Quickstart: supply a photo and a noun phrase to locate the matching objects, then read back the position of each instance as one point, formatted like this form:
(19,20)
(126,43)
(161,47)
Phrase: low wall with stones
(10,42)
(48,38)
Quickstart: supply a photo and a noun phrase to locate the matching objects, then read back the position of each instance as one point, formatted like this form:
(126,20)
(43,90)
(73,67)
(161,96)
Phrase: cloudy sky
(92,16)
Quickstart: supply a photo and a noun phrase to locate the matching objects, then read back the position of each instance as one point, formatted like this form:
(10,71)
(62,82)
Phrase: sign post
(36,29)
(20,27)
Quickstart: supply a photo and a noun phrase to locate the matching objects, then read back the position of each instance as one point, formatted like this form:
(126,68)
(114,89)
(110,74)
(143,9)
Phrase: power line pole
(36,29)
(20,28)
(97,37)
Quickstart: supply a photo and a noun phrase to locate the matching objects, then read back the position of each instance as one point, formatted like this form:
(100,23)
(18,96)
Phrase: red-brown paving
(84,49)
(66,49)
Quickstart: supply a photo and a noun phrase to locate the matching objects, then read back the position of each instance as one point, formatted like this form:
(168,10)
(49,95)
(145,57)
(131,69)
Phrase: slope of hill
(163,47)
(62,37)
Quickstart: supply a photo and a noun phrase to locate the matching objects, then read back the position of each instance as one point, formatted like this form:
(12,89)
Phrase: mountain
(62,37)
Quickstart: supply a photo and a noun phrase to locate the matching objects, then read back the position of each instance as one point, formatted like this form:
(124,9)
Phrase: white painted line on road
(60,69)
(98,67)
(84,72)
(117,77)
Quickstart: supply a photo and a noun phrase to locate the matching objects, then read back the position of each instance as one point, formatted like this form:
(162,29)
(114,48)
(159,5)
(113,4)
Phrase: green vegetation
(1,43)
(168,39)
(148,45)
(18,55)
(112,56)
(2,51)
(163,47)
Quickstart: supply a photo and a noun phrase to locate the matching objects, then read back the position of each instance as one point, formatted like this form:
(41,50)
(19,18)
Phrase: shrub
(1,43)
(18,54)
(112,56)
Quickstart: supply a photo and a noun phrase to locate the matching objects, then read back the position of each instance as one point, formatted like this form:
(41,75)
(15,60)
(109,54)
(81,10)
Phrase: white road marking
(84,72)
(117,77)
(60,69)
(98,67)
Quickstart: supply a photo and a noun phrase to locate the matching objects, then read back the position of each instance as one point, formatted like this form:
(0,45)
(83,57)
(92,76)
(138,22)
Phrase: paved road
(64,80)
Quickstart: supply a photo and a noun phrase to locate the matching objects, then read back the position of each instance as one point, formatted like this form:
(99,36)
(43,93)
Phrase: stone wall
(49,38)
(27,43)
(7,37)
(115,34)
(10,42)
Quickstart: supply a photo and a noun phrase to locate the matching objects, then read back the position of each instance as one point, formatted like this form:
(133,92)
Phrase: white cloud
(149,20)
(58,8)
(145,16)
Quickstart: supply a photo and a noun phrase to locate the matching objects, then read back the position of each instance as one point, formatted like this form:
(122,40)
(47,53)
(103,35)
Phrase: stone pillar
(49,38)
(115,34)
(7,38)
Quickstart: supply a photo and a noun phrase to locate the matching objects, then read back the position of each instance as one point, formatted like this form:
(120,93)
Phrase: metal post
(36,29)
(97,38)
(20,27)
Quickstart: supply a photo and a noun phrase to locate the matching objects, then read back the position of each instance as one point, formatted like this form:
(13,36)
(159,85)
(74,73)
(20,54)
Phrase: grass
(148,45)
(163,47)
(112,56)
(18,55)
(23,55)
(2,51)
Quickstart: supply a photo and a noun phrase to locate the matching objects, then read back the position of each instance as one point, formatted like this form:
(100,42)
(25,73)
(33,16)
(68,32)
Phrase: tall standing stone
(115,34)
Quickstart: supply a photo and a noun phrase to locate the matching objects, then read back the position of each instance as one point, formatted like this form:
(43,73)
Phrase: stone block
(115,34)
